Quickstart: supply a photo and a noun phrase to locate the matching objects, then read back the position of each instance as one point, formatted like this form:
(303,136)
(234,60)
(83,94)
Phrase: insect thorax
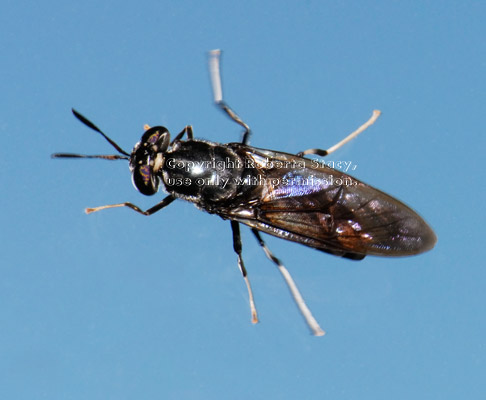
(206,173)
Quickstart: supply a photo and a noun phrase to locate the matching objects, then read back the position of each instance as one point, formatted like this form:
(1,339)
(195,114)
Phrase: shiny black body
(284,195)
(287,196)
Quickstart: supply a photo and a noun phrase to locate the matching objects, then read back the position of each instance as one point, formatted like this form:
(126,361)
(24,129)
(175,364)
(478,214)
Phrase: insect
(281,194)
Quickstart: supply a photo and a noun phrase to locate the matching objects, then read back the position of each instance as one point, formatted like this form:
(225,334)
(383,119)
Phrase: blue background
(119,306)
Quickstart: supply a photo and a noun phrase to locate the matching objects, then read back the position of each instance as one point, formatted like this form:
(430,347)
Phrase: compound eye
(153,142)
(157,138)
(144,180)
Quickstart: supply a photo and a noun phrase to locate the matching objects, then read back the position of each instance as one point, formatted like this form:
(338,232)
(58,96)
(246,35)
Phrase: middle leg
(215,75)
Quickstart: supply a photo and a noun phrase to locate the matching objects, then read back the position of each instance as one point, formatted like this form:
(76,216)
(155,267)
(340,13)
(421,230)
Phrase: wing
(331,211)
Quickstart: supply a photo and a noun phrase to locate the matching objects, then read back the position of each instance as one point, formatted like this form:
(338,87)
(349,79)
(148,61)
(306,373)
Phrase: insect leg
(351,136)
(306,313)
(235,227)
(215,75)
(188,130)
(164,203)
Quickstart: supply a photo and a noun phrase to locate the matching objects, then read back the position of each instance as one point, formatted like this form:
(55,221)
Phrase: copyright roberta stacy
(267,163)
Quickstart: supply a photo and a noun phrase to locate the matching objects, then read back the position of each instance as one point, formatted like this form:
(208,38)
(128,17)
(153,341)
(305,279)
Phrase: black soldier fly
(281,194)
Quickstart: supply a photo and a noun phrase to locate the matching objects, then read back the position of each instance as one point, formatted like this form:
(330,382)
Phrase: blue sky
(119,306)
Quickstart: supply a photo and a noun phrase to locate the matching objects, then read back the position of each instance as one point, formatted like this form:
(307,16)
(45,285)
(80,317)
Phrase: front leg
(187,130)
(164,203)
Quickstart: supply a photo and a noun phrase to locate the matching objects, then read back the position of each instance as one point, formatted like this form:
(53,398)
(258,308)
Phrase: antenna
(89,124)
